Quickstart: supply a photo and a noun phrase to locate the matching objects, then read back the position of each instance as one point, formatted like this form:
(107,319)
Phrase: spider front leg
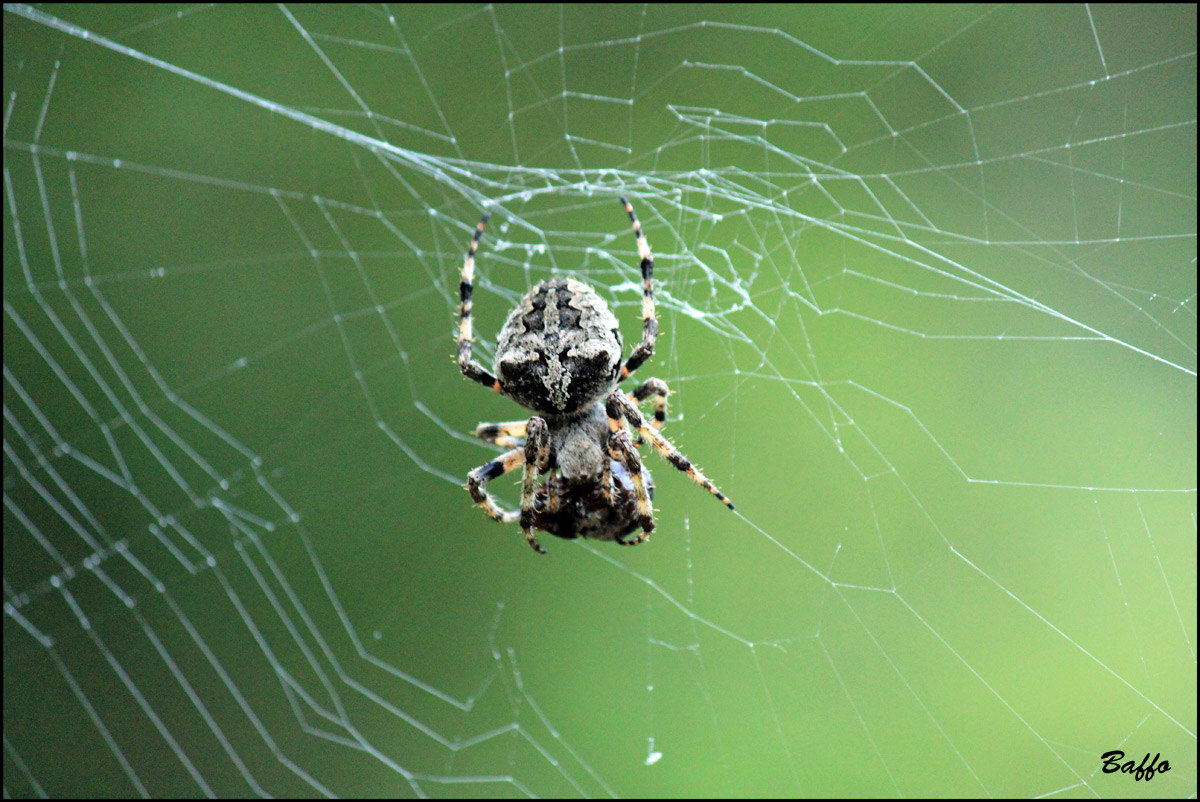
(619,408)
(466,285)
(643,350)
(537,460)
(620,447)
(477,480)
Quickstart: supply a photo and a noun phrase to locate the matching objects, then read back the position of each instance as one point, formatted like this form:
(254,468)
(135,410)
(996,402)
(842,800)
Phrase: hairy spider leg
(606,485)
(619,409)
(537,460)
(477,480)
(657,388)
(551,495)
(643,350)
(469,367)
(510,434)
(620,446)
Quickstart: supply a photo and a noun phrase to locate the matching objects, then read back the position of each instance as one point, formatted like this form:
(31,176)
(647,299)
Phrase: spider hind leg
(466,286)
(643,350)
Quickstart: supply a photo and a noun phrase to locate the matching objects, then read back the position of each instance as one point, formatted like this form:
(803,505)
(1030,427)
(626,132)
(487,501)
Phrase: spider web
(926,286)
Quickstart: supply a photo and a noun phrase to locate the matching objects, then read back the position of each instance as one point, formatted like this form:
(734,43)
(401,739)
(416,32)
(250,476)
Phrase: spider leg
(477,480)
(606,480)
(657,388)
(537,460)
(620,409)
(643,350)
(510,434)
(551,495)
(469,367)
(620,447)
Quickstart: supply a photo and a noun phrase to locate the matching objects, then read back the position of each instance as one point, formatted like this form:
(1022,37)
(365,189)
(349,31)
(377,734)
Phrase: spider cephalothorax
(559,354)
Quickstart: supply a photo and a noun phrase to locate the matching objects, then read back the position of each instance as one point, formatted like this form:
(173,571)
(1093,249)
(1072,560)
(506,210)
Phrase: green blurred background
(927,293)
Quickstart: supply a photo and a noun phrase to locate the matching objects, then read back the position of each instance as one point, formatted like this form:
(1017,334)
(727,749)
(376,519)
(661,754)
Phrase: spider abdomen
(560,348)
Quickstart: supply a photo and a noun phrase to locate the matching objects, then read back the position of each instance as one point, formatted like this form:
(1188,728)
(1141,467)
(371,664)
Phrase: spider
(559,355)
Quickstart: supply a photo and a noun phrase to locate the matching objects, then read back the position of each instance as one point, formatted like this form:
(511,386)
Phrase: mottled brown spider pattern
(559,354)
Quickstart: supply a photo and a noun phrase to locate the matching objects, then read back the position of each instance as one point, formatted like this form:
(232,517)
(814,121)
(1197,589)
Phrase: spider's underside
(559,354)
